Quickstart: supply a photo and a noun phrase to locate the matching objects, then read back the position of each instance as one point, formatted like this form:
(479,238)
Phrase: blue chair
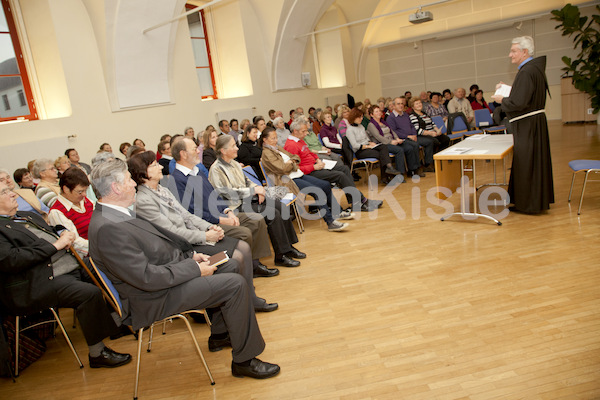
(287,202)
(588,166)
(491,106)
(367,163)
(483,120)
(461,127)
(250,174)
(439,122)
(109,290)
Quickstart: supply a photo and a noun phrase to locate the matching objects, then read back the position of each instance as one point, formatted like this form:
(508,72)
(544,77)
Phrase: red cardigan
(307,157)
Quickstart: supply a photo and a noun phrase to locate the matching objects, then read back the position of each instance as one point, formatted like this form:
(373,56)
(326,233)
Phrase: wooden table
(451,172)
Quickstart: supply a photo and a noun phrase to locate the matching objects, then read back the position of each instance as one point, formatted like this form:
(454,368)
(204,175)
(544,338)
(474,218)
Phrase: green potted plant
(584,70)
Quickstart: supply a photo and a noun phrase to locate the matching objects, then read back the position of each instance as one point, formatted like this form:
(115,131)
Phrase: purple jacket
(401,125)
(329,132)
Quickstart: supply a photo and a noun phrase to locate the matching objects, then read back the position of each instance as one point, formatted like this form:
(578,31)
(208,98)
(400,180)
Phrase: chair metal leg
(67,338)
(189,327)
(583,191)
(150,338)
(17,337)
(137,368)
(298,218)
(572,182)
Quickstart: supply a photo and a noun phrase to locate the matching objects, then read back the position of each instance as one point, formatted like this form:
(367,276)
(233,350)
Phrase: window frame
(23,73)
(189,7)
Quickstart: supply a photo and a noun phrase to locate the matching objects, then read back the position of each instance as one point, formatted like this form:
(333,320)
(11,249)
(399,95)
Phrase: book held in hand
(218,259)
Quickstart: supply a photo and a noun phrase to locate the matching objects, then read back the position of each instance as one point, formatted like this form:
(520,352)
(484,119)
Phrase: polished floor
(401,306)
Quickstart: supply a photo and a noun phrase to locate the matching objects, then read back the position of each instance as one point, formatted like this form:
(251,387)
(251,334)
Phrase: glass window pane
(195,23)
(7,51)
(3,24)
(10,106)
(205,80)
(200,52)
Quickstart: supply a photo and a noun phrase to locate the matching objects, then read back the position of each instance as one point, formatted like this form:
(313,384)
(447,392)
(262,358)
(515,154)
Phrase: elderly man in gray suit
(158,274)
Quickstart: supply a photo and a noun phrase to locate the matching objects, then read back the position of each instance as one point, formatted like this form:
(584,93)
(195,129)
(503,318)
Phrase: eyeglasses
(5,191)
(50,169)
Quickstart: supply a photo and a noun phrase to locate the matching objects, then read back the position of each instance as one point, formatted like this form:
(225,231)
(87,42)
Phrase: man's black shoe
(258,369)
(286,261)
(295,253)
(262,271)
(218,344)
(109,358)
(267,307)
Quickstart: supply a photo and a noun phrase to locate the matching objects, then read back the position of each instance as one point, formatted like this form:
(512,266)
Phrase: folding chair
(484,121)
(287,202)
(588,166)
(461,127)
(439,122)
(250,174)
(56,319)
(108,288)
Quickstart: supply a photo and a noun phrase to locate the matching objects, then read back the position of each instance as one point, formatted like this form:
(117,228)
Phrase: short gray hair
(525,43)
(101,157)
(178,146)
(40,165)
(105,174)
(277,121)
(297,123)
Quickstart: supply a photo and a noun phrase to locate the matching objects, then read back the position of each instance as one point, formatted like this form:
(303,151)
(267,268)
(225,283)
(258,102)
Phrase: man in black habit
(530,187)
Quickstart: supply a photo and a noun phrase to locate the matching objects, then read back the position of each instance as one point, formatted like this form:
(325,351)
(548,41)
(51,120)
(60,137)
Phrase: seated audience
(139,143)
(157,205)
(226,129)
(133,150)
(123,148)
(235,128)
(380,132)
(333,141)
(74,159)
(158,274)
(424,97)
(209,140)
(399,123)
(460,104)
(62,163)
(105,147)
(282,131)
(189,132)
(312,165)
(37,272)
(365,148)
(472,92)
(189,181)
(429,135)
(228,179)
(447,95)
(282,168)
(27,199)
(316,121)
(101,157)
(343,125)
(249,152)
(23,178)
(434,108)
(164,148)
(47,190)
(260,123)
(72,209)
(479,103)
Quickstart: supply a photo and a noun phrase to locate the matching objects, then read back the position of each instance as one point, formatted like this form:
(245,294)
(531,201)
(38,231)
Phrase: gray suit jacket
(147,265)
(149,206)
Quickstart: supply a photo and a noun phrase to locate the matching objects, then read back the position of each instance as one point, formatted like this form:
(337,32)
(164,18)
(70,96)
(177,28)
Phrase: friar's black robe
(531,188)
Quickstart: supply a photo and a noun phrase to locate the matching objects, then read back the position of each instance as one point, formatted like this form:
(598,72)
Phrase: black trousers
(381,152)
(281,229)
(92,312)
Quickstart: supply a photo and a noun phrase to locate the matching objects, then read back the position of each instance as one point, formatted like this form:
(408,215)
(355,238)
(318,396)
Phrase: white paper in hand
(503,90)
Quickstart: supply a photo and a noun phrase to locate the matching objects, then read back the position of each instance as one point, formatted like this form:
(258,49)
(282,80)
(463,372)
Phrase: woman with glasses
(47,190)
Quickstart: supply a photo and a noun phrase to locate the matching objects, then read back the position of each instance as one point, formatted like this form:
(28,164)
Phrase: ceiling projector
(420,16)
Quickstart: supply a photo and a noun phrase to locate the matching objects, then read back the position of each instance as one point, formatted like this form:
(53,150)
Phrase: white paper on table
(289,196)
(476,137)
(329,164)
(458,150)
(475,152)
(503,90)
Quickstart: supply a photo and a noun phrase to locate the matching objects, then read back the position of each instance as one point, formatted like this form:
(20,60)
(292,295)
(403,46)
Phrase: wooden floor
(409,308)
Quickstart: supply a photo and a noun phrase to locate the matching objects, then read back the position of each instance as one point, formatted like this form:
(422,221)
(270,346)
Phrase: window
(204,68)
(14,84)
